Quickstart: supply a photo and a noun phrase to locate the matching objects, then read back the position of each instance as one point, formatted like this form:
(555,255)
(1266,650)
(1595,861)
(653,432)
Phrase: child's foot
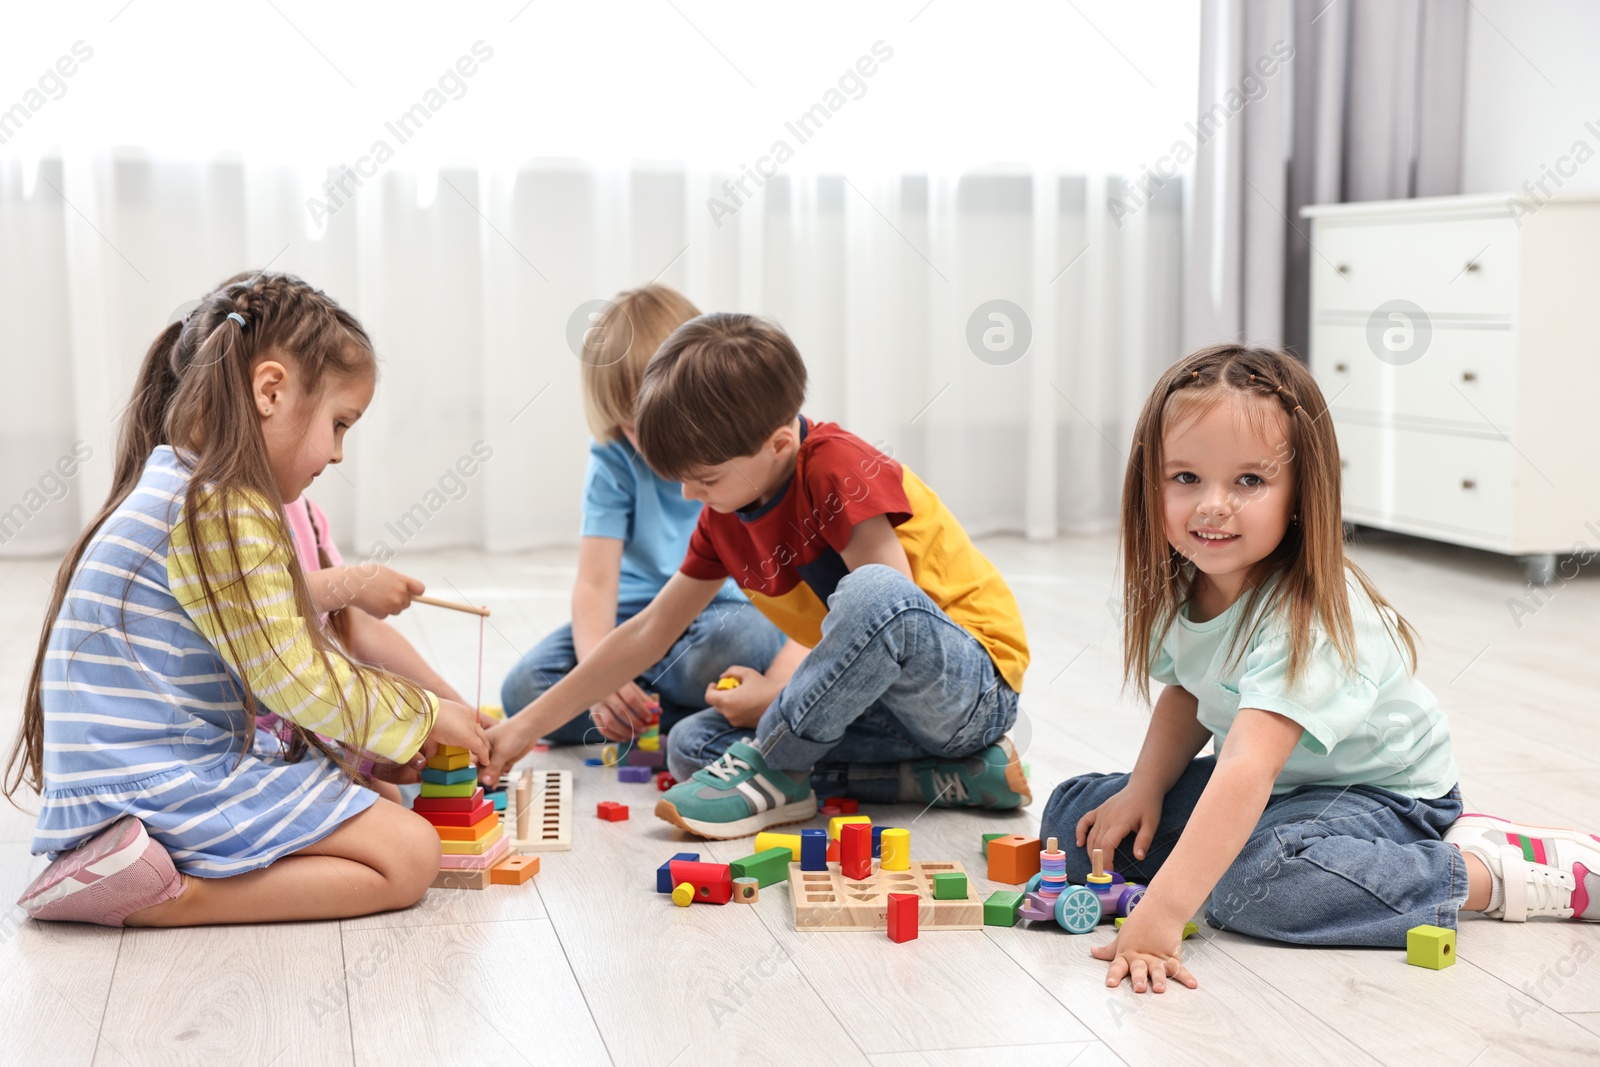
(104,880)
(992,778)
(1537,870)
(736,796)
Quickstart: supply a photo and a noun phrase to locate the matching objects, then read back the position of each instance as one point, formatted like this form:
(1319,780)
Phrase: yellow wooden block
(727,683)
(455,762)
(650,744)
(452,750)
(839,820)
(473,848)
(894,850)
(494,711)
(683,894)
(767,839)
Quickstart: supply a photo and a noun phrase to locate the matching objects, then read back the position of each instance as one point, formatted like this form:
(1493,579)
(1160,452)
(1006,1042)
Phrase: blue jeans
(893,678)
(1326,865)
(729,633)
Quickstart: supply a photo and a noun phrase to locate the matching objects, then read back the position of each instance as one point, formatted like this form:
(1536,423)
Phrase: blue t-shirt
(624,499)
(1378,726)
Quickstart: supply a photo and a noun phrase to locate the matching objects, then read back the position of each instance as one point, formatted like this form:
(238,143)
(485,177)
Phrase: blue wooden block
(594,761)
(455,777)
(664,872)
(633,774)
(499,798)
(813,850)
(877,841)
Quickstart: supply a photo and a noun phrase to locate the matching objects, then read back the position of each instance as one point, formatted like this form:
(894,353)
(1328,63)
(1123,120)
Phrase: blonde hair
(1309,561)
(616,349)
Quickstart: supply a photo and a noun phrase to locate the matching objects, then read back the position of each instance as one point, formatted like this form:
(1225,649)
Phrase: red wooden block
(665,781)
(833,850)
(713,882)
(846,805)
(460,818)
(855,850)
(422,804)
(828,811)
(611,811)
(902,916)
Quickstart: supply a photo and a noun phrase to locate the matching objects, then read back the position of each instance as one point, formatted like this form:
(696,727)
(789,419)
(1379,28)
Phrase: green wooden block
(949,885)
(768,868)
(986,839)
(455,777)
(459,789)
(1001,908)
(1433,947)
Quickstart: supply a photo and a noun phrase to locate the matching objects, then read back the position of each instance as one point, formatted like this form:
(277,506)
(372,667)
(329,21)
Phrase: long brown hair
(1309,562)
(194,392)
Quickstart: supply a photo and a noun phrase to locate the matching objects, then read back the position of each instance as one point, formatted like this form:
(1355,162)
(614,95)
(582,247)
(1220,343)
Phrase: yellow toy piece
(494,711)
(683,894)
(894,850)
(1432,947)
(767,839)
(727,683)
(608,755)
(650,744)
(839,820)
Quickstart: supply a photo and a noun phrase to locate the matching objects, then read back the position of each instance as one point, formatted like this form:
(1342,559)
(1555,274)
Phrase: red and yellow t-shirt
(784,554)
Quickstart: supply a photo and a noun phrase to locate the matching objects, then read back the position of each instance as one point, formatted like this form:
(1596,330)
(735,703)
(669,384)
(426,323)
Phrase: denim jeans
(1326,865)
(893,678)
(728,633)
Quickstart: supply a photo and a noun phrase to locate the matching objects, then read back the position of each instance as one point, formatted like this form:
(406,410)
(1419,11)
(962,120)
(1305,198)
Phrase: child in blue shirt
(1329,813)
(635,532)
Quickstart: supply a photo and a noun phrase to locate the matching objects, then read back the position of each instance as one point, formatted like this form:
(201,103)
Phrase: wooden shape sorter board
(549,813)
(826,900)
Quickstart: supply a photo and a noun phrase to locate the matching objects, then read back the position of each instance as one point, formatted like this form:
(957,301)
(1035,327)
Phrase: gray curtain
(1312,102)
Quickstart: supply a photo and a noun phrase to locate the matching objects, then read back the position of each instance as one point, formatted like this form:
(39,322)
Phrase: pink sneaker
(1538,870)
(104,880)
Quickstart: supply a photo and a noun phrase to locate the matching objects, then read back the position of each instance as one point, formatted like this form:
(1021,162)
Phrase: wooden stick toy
(434,601)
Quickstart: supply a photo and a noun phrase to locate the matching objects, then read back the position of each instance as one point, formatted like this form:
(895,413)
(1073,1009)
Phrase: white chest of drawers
(1457,343)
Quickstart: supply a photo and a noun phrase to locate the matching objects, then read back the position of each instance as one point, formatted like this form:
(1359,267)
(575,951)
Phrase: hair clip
(236,317)
(1300,409)
(1193,375)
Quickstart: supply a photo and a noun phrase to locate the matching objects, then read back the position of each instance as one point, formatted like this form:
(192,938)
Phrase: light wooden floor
(588,965)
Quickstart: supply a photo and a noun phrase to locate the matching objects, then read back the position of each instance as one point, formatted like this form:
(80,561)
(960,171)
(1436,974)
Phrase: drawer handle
(1468,483)
(1341,368)
(1343,268)
(1469,376)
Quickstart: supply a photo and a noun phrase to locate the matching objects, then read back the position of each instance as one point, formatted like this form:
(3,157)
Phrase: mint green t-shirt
(1378,726)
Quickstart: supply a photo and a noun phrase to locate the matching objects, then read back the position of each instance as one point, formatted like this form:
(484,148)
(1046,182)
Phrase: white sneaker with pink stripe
(1538,870)
(104,880)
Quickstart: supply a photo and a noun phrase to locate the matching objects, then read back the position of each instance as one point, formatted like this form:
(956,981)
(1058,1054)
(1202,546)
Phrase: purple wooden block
(633,774)
(640,758)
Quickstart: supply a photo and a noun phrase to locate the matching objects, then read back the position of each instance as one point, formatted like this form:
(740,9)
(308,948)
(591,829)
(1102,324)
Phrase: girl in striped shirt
(181,615)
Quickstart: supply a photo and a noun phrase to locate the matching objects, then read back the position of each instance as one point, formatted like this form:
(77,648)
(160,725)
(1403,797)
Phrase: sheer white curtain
(468,263)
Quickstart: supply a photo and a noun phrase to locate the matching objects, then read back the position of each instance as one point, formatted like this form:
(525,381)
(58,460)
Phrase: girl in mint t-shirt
(1329,814)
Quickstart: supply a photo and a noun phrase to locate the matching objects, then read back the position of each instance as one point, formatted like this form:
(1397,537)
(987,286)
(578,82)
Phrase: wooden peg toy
(746,890)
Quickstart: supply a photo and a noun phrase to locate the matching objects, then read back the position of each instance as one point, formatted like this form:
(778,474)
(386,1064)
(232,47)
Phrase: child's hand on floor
(1134,810)
(623,714)
(400,773)
(381,591)
(745,703)
(461,726)
(1147,951)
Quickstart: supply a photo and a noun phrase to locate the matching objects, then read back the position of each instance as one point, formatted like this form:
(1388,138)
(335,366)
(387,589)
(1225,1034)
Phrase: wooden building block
(949,885)
(456,776)
(451,750)
(814,850)
(839,821)
(826,900)
(467,803)
(683,895)
(611,811)
(894,852)
(514,870)
(498,850)
(433,790)
(477,830)
(450,763)
(650,744)
(1001,908)
(478,879)
(1013,859)
(767,868)
(712,882)
(472,848)
(664,872)
(484,809)
(633,774)
(1433,947)
(665,781)
(651,759)
(766,840)
(986,839)
(855,851)
(901,916)
(746,890)
(549,816)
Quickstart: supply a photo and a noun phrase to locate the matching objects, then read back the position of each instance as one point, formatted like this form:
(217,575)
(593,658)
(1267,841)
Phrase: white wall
(1532,85)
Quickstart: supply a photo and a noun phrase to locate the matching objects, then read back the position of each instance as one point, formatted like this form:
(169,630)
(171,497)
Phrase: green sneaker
(736,796)
(992,778)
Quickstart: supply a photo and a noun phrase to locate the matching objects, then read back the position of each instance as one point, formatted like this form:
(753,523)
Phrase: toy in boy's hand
(727,682)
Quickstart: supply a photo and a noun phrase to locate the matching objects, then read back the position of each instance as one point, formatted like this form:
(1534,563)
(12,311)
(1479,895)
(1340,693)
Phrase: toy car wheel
(1078,910)
(1129,899)
(1033,885)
